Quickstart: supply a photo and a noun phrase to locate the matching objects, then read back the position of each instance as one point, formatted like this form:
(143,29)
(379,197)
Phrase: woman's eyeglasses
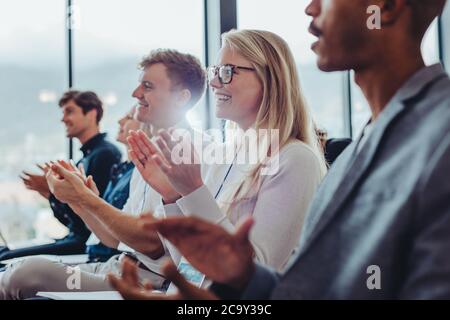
(225,72)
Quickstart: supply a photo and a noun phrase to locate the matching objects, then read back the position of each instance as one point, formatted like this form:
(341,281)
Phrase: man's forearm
(124,227)
(96,226)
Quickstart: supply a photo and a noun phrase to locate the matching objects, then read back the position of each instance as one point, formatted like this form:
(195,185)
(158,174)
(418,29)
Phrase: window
(110,38)
(360,109)
(32,78)
(292,25)
(430,45)
(108,47)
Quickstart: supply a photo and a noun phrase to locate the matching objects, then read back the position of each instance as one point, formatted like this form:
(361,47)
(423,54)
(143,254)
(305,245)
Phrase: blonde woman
(256,87)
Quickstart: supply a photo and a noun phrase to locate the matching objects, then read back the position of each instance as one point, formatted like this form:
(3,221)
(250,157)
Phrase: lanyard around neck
(227,174)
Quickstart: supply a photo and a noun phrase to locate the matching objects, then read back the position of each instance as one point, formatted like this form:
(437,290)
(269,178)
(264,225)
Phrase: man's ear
(92,114)
(391,10)
(184,97)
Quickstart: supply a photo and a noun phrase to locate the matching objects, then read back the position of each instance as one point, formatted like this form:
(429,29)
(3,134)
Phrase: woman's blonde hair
(283,106)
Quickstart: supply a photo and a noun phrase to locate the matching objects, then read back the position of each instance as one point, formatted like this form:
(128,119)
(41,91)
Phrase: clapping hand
(143,153)
(37,182)
(223,257)
(182,170)
(67,183)
(129,287)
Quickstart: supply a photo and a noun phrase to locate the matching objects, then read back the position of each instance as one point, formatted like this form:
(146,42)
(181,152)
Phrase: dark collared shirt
(116,194)
(118,189)
(99,156)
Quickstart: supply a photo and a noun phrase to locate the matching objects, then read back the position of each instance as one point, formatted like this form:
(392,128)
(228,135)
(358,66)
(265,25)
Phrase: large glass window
(112,36)
(430,45)
(360,109)
(292,24)
(32,77)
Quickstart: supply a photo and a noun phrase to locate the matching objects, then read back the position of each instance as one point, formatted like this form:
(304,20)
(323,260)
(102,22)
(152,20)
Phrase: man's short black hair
(86,100)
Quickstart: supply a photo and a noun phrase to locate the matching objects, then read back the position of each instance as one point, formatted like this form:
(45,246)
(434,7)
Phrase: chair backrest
(334,148)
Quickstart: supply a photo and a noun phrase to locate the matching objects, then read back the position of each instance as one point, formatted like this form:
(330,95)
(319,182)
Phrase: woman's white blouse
(278,207)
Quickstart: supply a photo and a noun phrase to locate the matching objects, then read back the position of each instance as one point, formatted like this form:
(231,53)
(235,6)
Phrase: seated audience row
(382,211)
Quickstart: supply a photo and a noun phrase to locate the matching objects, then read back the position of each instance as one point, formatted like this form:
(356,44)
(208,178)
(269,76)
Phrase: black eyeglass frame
(217,73)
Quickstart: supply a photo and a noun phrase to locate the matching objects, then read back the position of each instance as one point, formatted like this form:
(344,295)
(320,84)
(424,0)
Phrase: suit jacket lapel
(327,189)
(359,163)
